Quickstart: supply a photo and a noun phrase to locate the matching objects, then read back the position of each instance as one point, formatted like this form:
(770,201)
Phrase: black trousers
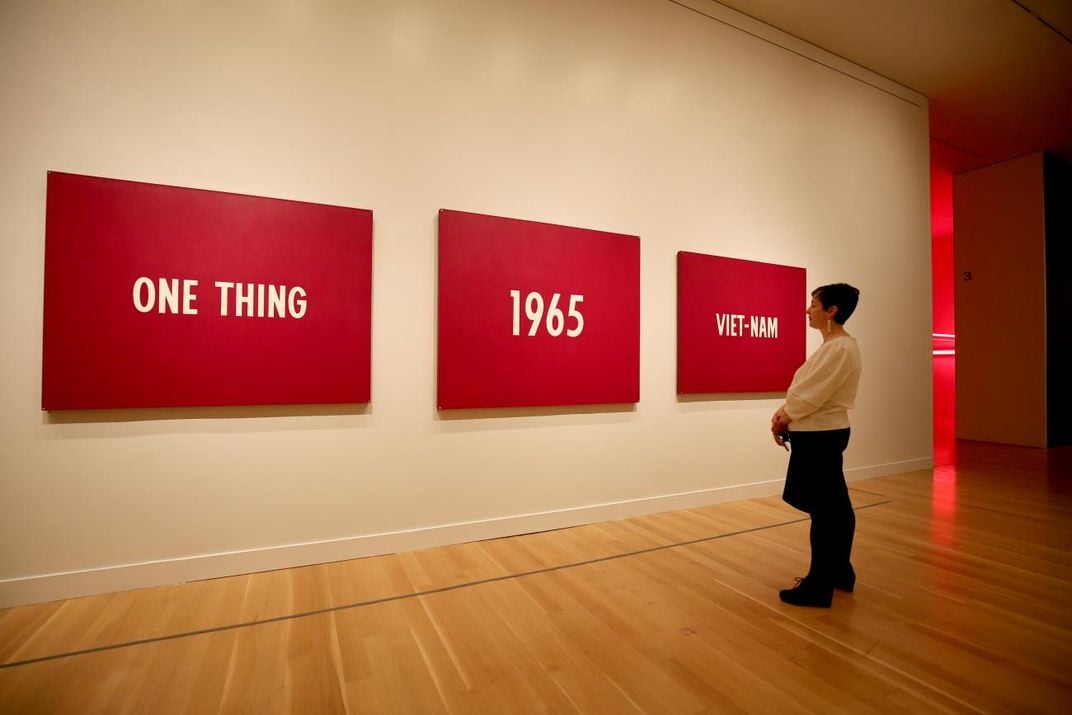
(815,483)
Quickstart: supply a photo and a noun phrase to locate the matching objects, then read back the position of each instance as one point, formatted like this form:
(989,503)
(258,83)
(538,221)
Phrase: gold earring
(828,328)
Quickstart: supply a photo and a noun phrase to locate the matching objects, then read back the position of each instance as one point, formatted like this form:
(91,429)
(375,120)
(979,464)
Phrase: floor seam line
(405,596)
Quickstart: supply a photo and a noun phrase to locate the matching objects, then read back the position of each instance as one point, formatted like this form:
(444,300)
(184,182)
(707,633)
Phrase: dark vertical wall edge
(1058,207)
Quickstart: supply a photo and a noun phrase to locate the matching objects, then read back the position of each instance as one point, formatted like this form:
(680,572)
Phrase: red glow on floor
(944,505)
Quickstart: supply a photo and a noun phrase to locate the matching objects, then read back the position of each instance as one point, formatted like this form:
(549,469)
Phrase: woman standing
(814,420)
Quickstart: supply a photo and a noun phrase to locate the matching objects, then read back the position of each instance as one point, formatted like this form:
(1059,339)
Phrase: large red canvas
(483,364)
(103,350)
(716,353)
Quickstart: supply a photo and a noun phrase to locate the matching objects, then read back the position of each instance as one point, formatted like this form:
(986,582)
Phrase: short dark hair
(843,295)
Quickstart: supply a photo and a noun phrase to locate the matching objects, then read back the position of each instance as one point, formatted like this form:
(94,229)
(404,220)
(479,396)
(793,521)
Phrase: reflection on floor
(962,604)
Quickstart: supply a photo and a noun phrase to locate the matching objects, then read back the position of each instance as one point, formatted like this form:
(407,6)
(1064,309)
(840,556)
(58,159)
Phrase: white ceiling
(998,72)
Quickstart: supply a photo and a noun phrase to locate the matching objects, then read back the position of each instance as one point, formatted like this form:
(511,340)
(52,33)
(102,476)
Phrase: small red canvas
(740,324)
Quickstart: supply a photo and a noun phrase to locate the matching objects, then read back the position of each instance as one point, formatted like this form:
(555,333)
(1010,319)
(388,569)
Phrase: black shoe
(847,582)
(808,593)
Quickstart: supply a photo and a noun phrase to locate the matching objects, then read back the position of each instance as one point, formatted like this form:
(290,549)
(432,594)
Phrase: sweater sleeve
(815,386)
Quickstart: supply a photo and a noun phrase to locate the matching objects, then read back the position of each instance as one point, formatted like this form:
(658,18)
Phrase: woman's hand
(780,427)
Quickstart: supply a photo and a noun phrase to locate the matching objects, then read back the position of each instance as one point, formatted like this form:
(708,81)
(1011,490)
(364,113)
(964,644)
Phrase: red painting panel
(534,314)
(158,296)
(740,324)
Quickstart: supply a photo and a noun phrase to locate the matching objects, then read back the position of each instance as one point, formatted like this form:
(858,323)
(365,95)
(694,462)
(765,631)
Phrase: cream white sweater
(824,387)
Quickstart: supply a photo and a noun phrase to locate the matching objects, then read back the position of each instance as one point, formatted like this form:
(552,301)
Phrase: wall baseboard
(85,582)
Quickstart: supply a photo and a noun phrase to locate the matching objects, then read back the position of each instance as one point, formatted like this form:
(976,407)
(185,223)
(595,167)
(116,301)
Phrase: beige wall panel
(1001,311)
(636,116)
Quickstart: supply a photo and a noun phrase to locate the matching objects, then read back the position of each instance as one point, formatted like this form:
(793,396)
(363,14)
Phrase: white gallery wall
(685,123)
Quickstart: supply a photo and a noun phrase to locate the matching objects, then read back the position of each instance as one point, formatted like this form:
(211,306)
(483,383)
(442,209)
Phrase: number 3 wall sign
(534,314)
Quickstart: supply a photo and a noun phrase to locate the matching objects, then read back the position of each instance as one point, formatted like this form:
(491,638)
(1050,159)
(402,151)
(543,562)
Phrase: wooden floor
(964,604)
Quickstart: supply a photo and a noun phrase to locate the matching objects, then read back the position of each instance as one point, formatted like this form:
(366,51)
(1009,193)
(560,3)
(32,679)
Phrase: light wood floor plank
(962,605)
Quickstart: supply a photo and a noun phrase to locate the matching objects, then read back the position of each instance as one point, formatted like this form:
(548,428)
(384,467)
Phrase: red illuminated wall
(942,249)
(942,313)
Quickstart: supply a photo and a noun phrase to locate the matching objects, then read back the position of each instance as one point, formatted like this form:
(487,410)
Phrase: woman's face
(817,316)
